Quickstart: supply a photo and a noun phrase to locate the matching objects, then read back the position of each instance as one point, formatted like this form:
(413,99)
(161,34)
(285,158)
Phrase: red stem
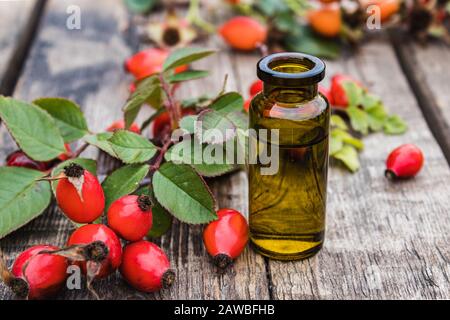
(157,163)
(172,107)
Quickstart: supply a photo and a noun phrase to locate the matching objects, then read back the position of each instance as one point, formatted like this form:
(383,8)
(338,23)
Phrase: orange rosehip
(243,33)
(326,21)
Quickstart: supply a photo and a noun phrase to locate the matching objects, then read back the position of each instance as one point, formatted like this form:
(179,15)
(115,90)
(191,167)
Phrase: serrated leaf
(123,181)
(187,75)
(22,198)
(180,190)
(189,151)
(377,116)
(353,92)
(32,128)
(347,138)
(229,102)
(358,119)
(147,89)
(395,125)
(68,116)
(349,157)
(131,147)
(195,102)
(216,128)
(338,122)
(188,123)
(100,140)
(88,164)
(162,219)
(184,56)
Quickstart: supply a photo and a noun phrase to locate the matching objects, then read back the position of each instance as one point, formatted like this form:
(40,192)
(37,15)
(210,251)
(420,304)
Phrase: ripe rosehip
(326,21)
(148,62)
(120,124)
(162,122)
(243,33)
(226,238)
(337,91)
(387,8)
(247,104)
(20,159)
(256,87)
(131,217)
(44,273)
(90,233)
(404,161)
(146,267)
(80,195)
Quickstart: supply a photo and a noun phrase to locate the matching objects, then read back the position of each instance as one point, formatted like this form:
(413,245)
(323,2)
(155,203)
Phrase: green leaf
(353,92)
(229,102)
(100,140)
(189,151)
(377,116)
(140,6)
(195,102)
(183,193)
(32,128)
(147,89)
(302,39)
(338,122)
(347,138)
(285,21)
(184,56)
(162,219)
(131,147)
(188,123)
(369,101)
(349,156)
(68,116)
(358,119)
(270,7)
(187,75)
(88,164)
(123,181)
(395,125)
(22,198)
(216,128)
(336,144)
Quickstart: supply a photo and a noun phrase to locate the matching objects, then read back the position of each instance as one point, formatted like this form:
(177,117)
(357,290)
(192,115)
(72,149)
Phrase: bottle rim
(314,74)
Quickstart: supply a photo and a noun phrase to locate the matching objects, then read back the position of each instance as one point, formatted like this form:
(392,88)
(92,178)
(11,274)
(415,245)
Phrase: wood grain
(384,240)
(18,23)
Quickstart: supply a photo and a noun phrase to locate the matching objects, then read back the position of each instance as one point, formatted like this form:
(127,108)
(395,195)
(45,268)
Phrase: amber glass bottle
(287,207)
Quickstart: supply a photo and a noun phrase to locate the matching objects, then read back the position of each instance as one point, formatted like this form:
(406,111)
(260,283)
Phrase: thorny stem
(157,163)
(172,107)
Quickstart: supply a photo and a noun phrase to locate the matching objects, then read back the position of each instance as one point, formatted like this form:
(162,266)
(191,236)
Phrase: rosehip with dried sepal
(79,195)
(226,238)
(35,274)
(94,233)
(120,124)
(146,267)
(20,159)
(404,161)
(131,217)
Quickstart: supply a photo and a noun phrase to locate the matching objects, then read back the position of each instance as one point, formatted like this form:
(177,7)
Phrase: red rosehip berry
(80,195)
(131,217)
(120,124)
(255,88)
(247,104)
(148,62)
(226,238)
(404,161)
(243,33)
(20,159)
(326,93)
(146,267)
(337,92)
(91,233)
(43,274)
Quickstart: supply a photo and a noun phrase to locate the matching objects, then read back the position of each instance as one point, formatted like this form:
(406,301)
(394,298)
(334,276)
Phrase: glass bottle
(287,207)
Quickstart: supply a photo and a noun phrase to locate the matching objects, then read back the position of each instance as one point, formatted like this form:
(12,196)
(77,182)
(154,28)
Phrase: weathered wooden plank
(18,20)
(428,73)
(86,66)
(384,240)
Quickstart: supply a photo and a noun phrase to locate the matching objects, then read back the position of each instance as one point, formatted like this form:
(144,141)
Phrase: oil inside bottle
(287,209)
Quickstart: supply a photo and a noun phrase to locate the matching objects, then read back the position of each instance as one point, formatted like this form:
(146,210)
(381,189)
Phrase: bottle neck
(290,94)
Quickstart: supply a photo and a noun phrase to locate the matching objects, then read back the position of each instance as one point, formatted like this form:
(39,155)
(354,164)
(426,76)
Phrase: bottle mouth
(291,69)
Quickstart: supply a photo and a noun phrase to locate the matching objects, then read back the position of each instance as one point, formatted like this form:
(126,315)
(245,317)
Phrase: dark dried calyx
(171,36)
(144,202)
(168,279)
(73,170)
(96,251)
(222,261)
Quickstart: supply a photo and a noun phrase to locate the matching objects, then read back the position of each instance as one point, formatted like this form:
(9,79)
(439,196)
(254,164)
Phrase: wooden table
(384,240)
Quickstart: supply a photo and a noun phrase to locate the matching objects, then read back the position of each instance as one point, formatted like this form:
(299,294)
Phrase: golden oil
(287,209)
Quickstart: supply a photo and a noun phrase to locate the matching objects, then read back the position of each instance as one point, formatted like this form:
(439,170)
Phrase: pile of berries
(41,271)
